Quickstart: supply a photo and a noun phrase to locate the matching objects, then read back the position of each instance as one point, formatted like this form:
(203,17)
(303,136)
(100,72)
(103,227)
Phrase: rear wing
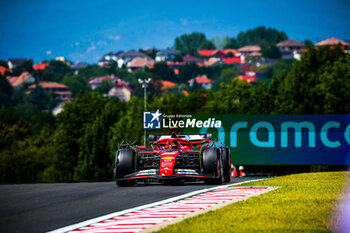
(194,138)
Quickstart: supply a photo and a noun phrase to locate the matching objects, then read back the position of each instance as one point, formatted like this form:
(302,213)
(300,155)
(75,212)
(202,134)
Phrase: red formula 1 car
(173,158)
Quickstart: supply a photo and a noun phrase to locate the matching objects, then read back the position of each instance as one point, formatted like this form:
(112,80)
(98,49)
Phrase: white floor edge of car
(116,214)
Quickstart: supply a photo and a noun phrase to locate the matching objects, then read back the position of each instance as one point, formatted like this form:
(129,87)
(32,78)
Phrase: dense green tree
(6,92)
(3,63)
(190,43)
(55,72)
(105,86)
(187,72)
(226,75)
(77,84)
(316,84)
(271,51)
(40,97)
(27,66)
(95,155)
(161,71)
(27,109)
(259,102)
(24,152)
(281,65)
(13,128)
(178,58)
(261,36)
(129,128)
(266,38)
(231,43)
(74,119)
(93,71)
(196,101)
(308,43)
(228,99)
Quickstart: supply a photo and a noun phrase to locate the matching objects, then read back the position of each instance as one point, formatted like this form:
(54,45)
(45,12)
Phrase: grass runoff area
(303,203)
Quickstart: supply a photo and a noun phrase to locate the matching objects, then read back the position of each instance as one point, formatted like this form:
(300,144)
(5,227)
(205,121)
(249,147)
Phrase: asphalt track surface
(44,207)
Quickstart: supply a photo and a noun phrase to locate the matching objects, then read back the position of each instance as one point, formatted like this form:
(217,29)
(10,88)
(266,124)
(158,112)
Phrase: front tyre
(125,165)
(211,160)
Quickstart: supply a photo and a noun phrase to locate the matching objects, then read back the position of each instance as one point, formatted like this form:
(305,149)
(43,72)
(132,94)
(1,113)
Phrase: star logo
(151,120)
(155,115)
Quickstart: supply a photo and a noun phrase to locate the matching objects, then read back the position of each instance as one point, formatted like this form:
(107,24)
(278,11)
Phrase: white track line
(123,212)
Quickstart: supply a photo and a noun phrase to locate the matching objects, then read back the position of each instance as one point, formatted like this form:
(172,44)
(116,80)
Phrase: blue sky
(83,30)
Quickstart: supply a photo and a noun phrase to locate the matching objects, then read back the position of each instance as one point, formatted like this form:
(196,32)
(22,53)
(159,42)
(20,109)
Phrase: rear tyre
(125,165)
(226,162)
(212,165)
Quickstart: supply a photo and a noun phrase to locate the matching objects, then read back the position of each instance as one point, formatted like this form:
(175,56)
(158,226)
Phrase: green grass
(303,203)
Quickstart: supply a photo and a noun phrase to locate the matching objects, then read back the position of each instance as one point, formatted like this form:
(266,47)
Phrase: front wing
(180,174)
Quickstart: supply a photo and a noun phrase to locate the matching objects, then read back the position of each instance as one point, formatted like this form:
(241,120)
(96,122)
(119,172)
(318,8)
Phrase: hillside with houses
(180,69)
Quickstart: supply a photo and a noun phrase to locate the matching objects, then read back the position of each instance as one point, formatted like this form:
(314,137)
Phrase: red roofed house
(121,90)
(232,60)
(249,77)
(18,81)
(58,90)
(211,53)
(41,66)
(291,49)
(207,52)
(139,62)
(184,92)
(227,51)
(165,84)
(334,41)
(202,81)
(217,53)
(3,69)
(96,82)
(249,51)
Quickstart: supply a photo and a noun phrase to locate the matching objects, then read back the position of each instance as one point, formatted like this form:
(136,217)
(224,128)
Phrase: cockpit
(174,145)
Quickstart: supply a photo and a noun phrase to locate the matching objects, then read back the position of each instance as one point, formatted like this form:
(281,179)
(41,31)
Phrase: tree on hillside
(318,83)
(266,38)
(73,121)
(96,156)
(226,75)
(261,36)
(3,63)
(228,99)
(77,84)
(190,43)
(27,66)
(129,127)
(6,92)
(231,43)
(280,65)
(187,72)
(105,86)
(161,71)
